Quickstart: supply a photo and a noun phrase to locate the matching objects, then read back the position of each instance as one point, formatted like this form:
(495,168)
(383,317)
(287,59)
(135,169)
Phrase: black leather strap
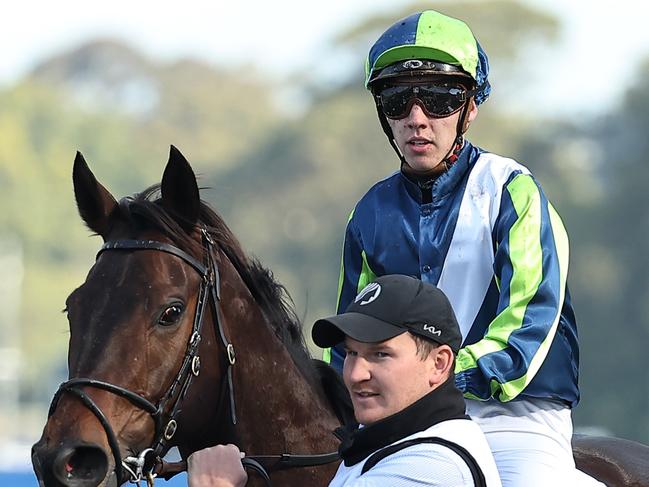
(153,245)
(476,471)
(274,463)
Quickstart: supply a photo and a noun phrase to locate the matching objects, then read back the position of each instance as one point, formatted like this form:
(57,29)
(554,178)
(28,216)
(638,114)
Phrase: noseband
(165,422)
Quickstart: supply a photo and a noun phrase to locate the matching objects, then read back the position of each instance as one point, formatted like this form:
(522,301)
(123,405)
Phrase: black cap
(390,306)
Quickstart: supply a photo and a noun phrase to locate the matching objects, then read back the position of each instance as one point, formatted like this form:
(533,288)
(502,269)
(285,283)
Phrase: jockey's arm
(530,266)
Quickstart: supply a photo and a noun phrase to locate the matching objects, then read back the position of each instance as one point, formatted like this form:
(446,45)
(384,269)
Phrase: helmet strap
(388,130)
(454,153)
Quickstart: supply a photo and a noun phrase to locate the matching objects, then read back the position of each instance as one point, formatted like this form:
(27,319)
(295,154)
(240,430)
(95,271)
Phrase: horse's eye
(171,315)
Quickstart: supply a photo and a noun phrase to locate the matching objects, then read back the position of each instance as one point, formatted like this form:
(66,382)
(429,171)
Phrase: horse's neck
(279,410)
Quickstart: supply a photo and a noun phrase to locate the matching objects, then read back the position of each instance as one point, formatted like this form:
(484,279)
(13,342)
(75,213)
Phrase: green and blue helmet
(438,44)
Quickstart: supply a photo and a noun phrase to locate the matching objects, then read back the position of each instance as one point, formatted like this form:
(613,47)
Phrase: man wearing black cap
(401,337)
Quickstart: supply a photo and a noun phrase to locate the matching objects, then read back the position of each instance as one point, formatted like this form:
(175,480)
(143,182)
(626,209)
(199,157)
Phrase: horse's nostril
(83,466)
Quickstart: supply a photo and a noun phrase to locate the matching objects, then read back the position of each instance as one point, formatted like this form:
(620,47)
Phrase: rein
(262,464)
(149,463)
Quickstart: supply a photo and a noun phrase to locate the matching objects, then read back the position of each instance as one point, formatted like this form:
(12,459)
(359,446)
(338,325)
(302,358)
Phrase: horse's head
(171,282)
(133,330)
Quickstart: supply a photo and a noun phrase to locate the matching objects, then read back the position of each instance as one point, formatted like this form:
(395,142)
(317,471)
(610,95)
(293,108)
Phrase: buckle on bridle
(231,357)
(170,430)
(194,339)
(196,365)
(207,236)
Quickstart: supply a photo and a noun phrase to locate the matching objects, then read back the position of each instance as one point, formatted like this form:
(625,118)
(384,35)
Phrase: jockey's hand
(217,466)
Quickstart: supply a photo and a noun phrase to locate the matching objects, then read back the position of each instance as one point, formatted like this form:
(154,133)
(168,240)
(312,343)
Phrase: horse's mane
(145,211)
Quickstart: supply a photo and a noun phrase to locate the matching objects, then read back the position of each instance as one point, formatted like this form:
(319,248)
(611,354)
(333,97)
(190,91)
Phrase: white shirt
(427,463)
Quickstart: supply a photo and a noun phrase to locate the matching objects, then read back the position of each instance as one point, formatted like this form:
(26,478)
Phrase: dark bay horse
(178,339)
(172,347)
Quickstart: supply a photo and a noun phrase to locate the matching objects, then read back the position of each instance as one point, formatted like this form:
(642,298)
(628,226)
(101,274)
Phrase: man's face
(425,141)
(384,378)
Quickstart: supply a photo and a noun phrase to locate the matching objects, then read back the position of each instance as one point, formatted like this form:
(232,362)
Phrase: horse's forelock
(144,211)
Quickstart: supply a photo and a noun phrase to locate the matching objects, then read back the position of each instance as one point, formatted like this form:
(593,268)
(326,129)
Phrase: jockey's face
(425,141)
(384,378)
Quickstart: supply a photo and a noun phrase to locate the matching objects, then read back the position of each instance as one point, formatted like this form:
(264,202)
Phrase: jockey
(478,226)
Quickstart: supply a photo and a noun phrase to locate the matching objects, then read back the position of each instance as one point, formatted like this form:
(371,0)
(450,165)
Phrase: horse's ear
(179,190)
(96,205)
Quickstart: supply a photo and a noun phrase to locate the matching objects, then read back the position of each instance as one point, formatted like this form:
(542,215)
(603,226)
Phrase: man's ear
(441,364)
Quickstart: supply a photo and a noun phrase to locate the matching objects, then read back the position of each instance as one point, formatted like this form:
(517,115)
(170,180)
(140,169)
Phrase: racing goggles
(437,100)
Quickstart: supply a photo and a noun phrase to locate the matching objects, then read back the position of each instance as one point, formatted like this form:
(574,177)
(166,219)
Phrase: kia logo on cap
(432,330)
(371,291)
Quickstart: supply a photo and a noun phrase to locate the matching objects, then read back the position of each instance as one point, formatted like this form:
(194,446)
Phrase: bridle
(149,462)
(165,411)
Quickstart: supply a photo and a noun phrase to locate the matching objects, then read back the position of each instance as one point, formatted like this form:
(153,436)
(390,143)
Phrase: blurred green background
(284,161)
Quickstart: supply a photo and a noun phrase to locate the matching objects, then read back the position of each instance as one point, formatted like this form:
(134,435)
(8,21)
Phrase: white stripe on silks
(468,266)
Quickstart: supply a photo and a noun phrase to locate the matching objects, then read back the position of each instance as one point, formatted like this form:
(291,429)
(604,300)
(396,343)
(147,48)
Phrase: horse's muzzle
(69,465)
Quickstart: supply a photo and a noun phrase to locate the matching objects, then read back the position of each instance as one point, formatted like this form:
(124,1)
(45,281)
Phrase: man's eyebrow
(371,347)
(380,347)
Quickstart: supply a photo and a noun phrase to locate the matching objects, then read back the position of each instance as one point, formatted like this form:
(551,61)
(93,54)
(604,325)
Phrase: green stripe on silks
(468,395)
(326,355)
(341,276)
(326,352)
(366,276)
(527,272)
(562,246)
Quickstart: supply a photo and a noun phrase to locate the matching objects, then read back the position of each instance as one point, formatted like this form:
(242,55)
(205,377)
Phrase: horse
(613,461)
(146,374)
(177,338)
